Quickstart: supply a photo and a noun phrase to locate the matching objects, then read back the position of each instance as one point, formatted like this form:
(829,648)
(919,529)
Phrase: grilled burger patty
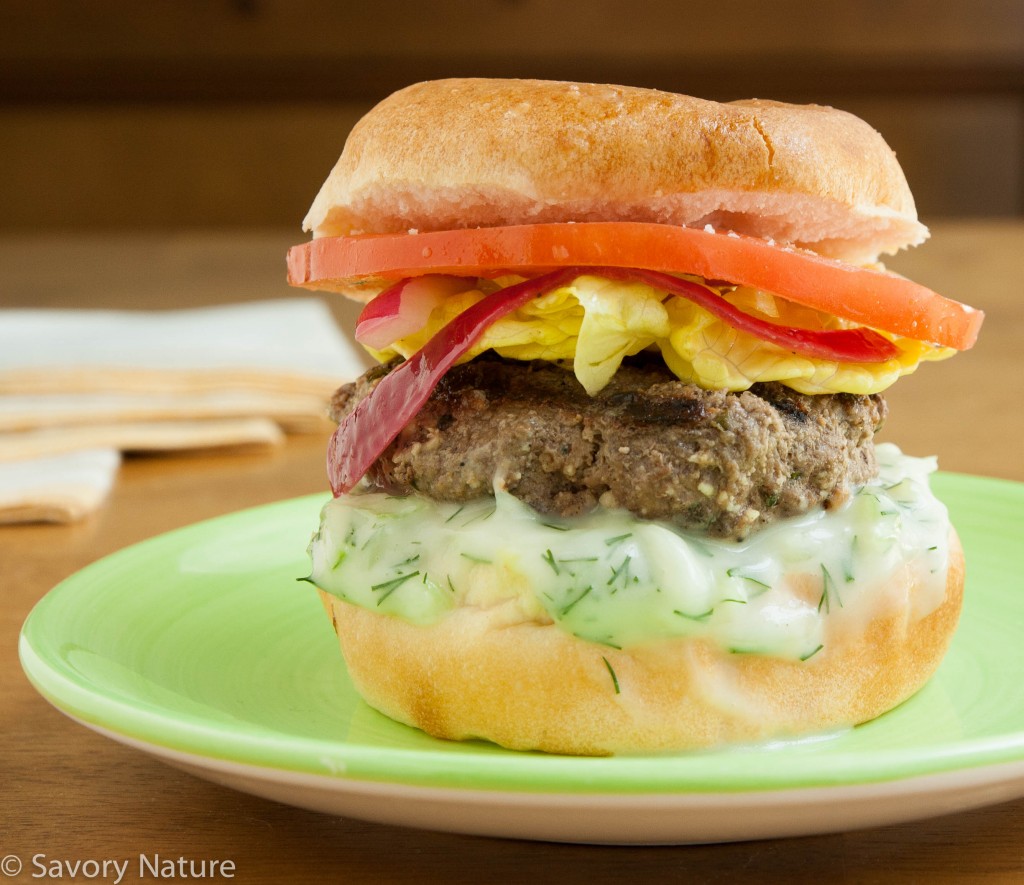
(720,462)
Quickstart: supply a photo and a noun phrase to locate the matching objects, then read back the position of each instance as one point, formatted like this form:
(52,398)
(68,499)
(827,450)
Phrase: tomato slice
(868,297)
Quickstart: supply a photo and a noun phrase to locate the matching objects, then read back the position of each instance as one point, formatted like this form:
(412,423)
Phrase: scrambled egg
(595,323)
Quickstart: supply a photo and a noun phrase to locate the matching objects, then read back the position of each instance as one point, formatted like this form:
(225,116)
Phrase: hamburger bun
(530,686)
(776,579)
(526,151)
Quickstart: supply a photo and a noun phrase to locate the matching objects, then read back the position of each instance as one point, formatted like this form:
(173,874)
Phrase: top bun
(478,153)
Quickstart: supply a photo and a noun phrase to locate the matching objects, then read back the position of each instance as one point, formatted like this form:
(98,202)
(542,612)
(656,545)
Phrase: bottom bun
(536,687)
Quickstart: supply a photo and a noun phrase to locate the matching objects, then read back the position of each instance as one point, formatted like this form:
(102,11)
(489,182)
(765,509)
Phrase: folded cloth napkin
(287,345)
(294,411)
(56,489)
(153,436)
(230,375)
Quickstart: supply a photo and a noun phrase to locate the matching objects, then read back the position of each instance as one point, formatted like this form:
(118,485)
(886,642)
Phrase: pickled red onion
(856,345)
(405,308)
(375,422)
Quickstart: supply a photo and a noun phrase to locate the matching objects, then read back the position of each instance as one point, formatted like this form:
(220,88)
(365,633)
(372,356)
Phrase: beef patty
(719,462)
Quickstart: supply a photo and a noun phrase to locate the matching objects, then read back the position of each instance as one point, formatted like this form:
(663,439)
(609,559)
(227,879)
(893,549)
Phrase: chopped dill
(622,570)
(549,558)
(555,526)
(848,565)
(703,616)
(811,654)
(572,604)
(761,585)
(394,582)
(479,559)
(391,586)
(456,513)
(618,539)
(479,517)
(611,672)
(341,558)
(701,548)
(828,590)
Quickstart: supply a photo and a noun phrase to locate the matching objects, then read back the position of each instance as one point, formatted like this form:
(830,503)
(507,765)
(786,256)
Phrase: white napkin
(295,411)
(264,345)
(153,436)
(58,489)
(231,375)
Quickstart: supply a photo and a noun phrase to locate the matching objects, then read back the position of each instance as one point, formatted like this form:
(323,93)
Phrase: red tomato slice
(872,298)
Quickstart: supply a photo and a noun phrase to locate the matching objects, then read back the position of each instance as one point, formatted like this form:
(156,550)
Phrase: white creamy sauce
(786,591)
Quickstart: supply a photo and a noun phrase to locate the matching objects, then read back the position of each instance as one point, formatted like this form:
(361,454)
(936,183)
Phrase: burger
(613,486)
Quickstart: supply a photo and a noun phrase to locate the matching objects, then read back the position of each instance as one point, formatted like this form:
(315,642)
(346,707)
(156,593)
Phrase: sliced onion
(857,345)
(405,308)
(375,422)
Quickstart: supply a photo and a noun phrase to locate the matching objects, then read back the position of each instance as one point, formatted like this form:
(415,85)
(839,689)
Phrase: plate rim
(595,818)
(973,753)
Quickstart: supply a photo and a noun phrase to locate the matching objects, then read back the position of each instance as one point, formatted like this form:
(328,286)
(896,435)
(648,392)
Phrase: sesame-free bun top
(463,153)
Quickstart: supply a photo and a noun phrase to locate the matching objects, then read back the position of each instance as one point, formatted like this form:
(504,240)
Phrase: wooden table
(68,793)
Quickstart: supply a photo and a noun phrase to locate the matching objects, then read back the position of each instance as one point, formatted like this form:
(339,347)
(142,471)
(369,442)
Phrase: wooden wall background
(168,113)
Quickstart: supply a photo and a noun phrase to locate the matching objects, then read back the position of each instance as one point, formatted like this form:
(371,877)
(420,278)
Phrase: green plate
(201,647)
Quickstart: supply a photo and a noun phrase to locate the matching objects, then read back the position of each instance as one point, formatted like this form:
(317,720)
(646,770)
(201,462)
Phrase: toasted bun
(476,153)
(533,687)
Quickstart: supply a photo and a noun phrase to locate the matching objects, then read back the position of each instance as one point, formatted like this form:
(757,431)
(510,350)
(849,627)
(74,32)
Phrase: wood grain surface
(68,793)
(156,115)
